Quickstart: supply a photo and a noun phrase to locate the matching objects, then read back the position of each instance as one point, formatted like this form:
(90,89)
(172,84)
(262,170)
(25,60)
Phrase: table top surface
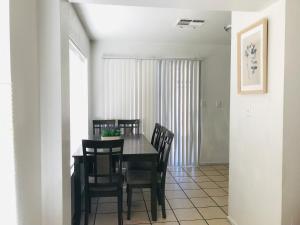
(133,145)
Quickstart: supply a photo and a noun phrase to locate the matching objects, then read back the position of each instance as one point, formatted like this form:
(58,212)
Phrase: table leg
(154,190)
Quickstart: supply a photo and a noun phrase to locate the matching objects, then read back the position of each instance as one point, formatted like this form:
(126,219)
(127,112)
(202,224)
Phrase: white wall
(291,119)
(51,111)
(215,89)
(255,186)
(71,28)
(25,84)
(39,66)
(215,139)
(57,21)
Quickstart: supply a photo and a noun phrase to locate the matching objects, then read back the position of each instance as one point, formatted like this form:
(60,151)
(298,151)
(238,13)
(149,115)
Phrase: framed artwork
(252,58)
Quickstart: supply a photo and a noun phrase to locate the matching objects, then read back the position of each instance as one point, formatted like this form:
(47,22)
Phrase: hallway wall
(25,99)
(215,107)
(57,23)
(256,130)
(291,119)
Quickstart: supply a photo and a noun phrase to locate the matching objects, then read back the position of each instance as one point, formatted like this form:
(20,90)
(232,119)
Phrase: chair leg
(163,203)
(129,198)
(86,218)
(87,209)
(159,196)
(127,194)
(114,164)
(120,207)
(90,205)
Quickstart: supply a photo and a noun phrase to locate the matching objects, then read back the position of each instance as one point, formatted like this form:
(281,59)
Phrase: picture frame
(252,58)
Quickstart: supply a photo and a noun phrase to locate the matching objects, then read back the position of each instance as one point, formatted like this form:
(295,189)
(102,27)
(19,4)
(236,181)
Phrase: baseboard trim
(212,163)
(231,220)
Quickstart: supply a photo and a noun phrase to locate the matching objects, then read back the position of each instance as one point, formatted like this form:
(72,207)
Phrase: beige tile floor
(194,196)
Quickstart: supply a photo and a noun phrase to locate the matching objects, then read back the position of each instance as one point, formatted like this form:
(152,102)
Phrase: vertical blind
(128,91)
(156,90)
(178,109)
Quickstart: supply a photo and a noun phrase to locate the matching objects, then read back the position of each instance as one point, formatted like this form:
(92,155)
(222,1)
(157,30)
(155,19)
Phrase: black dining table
(136,148)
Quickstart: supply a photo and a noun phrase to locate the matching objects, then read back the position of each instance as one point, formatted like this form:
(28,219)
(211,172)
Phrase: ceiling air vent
(189,23)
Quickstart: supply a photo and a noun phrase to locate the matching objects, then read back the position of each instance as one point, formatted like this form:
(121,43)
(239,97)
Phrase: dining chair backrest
(98,125)
(129,127)
(156,135)
(161,136)
(93,153)
(163,153)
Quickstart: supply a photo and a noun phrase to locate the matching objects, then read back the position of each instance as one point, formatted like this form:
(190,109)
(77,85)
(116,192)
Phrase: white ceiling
(205,5)
(131,23)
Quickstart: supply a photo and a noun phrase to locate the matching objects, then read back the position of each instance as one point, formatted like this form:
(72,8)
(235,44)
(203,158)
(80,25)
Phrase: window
(78,98)
(7,162)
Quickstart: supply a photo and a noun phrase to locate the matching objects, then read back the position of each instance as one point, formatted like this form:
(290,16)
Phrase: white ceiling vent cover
(190,23)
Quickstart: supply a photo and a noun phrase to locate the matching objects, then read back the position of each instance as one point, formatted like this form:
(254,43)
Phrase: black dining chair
(98,125)
(160,137)
(156,135)
(99,180)
(129,127)
(142,178)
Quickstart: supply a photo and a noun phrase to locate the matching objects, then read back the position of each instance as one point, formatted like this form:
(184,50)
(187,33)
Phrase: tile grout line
(172,210)
(168,199)
(149,218)
(220,207)
(215,196)
(191,201)
(187,198)
(178,183)
(96,211)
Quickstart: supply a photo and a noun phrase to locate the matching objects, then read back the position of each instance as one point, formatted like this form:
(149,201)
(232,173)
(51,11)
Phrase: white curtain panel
(156,90)
(179,108)
(128,90)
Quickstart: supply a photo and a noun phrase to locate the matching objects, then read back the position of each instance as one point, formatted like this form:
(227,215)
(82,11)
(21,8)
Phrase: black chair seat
(138,177)
(139,165)
(104,180)
(96,189)
(102,184)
